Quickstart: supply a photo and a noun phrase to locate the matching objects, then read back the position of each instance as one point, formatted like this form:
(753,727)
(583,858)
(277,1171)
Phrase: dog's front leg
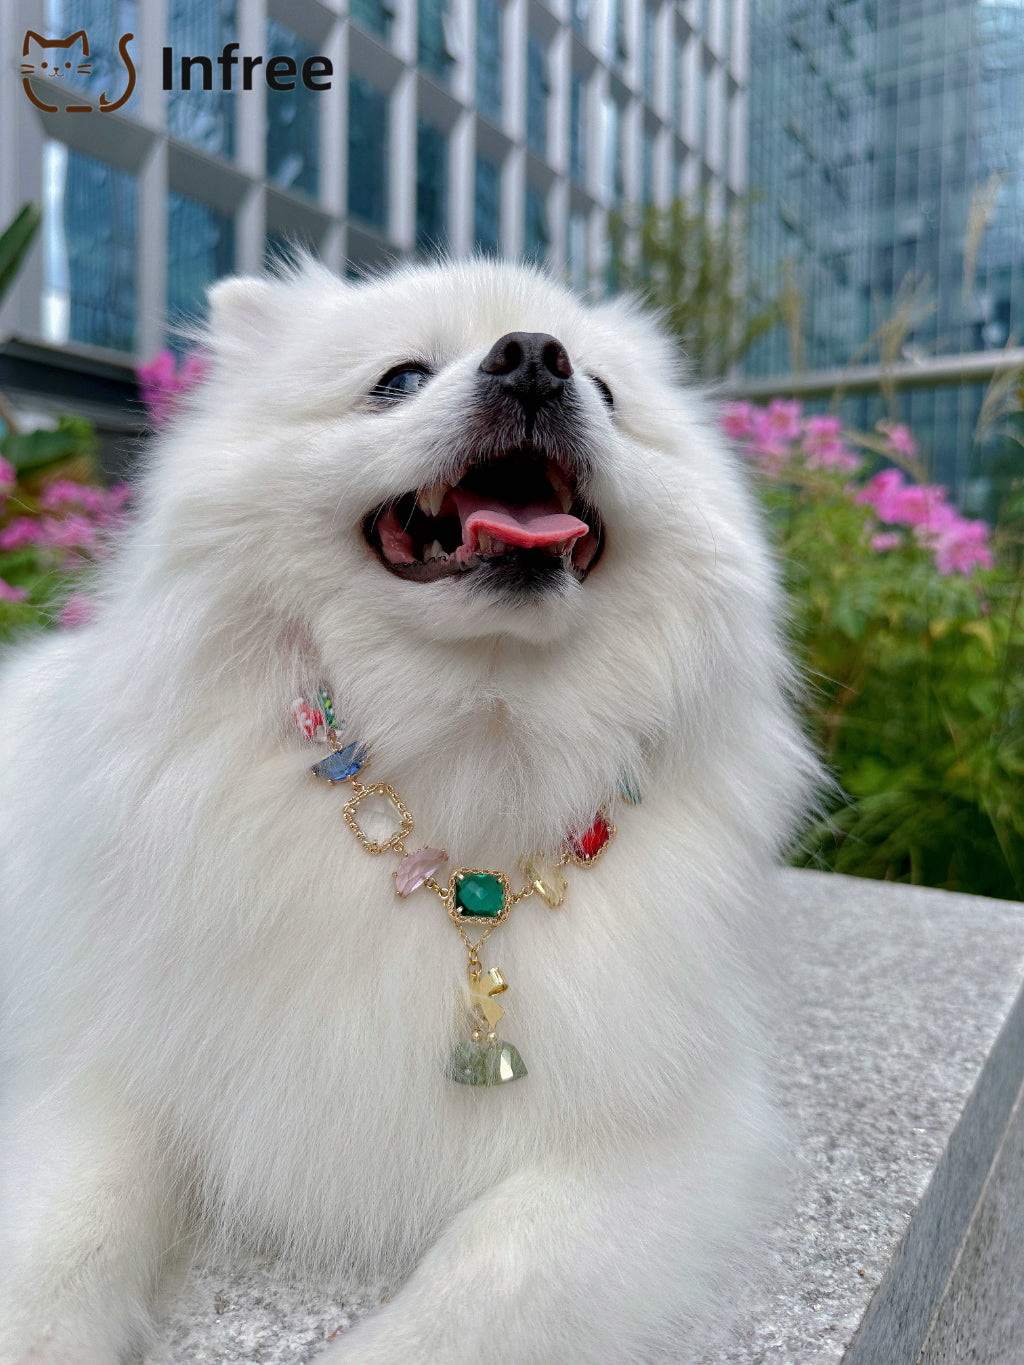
(602,1269)
(86,1214)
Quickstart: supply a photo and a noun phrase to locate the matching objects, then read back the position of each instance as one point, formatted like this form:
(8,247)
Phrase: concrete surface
(900,1058)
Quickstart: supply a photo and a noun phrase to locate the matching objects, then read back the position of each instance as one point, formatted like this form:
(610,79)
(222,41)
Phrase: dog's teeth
(563,490)
(433,551)
(429,500)
(498,547)
(483,542)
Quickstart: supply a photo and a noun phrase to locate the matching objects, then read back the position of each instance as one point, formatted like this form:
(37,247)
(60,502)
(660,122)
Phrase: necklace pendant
(487,1062)
(484,1058)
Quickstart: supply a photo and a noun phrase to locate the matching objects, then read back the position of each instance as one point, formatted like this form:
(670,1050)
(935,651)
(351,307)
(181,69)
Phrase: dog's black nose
(531,365)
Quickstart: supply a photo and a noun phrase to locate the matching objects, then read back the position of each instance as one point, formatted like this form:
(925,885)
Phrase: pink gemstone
(415,868)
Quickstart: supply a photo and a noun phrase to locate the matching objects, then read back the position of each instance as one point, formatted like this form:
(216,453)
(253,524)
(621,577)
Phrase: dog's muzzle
(513,515)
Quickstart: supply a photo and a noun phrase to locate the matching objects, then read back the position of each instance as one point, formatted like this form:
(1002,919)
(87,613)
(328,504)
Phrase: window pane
(677,86)
(535,247)
(431,188)
(650,19)
(578,129)
(616,33)
(367,152)
(647,167)
(200,248)
(293,120)
(374,15)
(104,21)
(205,118)
(487,206)
(89,234)
(578,251)
(431,17)
(536,96)
(488,58)
(613,129)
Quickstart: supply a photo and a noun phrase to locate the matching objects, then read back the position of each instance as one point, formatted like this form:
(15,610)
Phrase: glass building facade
(293,121)
(510,127)
(367,152)
(89,249)
(887,165)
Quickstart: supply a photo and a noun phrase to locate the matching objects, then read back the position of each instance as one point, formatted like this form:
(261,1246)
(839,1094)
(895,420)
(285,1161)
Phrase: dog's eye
(604,390)
(401,382)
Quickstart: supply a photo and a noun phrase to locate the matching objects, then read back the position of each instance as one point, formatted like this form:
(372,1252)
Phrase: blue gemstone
(342,764)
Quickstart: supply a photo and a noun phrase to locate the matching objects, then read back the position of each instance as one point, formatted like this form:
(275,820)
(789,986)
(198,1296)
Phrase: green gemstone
(479,896)
(485,1063)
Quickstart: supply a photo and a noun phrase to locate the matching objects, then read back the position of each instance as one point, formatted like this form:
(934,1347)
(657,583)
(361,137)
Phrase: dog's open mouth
(521,510)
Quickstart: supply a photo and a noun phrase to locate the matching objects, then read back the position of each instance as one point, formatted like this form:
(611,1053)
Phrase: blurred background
(823,197)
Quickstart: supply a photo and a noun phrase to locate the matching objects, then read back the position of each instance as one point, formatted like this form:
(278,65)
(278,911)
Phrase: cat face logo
(63,60)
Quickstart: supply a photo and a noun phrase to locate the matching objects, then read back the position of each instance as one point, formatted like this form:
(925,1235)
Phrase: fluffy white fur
(216,1013)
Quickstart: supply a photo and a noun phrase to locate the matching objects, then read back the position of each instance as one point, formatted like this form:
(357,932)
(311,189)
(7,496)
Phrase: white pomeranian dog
(494,526)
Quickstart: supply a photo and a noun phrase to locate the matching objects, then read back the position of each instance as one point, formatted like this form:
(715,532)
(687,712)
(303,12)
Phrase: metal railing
(970,368)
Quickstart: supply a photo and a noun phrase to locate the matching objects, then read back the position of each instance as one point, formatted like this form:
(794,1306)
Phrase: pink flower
(736,420)
(824,447)
(962,546)
(901,437)
(881,492)
(61,493)
(9,593)
(73,532)
(783,419)
(162,383)
(20,532)
(8,476)
(832,455)
(921,505)
(822,426)
(78,610)
(102,507)
(767,447)
(886,540)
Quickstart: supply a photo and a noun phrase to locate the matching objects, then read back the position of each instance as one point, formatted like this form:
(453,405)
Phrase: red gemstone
(593,841)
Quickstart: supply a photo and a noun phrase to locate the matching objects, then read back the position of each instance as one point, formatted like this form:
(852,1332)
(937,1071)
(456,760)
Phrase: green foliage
(32,451)
(691,269)
(15,241)
(917,694)
(52,521)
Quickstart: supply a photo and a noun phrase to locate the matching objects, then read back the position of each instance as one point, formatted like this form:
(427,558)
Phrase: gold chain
(484,1060)
(396,844)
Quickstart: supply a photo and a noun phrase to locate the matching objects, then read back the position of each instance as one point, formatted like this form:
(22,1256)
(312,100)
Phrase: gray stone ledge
(900,1058)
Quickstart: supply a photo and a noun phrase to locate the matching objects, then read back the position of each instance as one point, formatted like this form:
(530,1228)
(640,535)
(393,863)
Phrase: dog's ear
(240,306)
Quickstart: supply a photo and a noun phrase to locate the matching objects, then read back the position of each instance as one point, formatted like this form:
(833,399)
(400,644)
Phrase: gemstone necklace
(472,895)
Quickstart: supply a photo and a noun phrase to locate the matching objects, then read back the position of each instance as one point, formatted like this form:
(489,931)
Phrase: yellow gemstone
(546,878)
(483,989)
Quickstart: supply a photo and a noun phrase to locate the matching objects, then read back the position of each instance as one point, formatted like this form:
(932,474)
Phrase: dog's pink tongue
(532,527)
